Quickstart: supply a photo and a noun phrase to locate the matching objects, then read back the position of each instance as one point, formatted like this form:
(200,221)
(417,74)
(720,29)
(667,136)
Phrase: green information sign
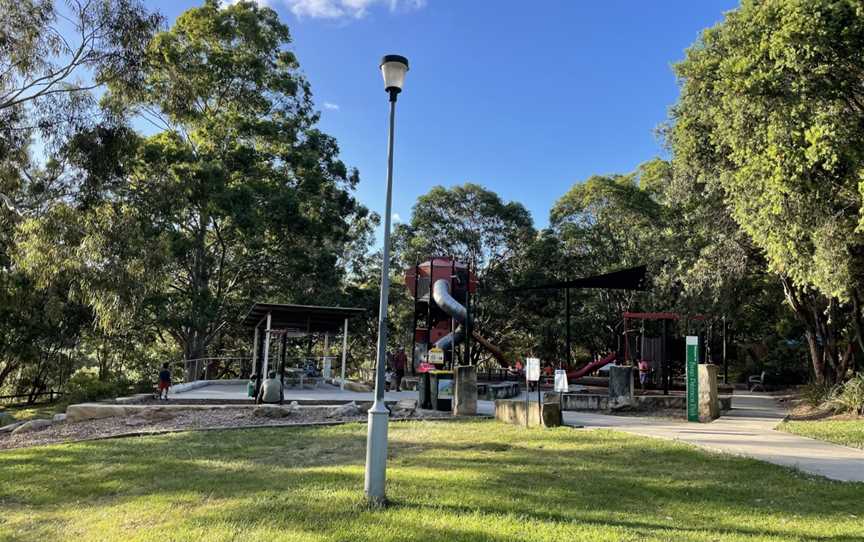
(692,379)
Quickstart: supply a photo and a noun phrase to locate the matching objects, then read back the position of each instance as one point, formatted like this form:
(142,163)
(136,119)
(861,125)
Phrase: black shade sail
(625,279)
(303,318)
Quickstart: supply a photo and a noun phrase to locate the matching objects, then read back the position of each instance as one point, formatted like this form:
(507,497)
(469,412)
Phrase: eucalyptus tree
(770,117)
(237,196)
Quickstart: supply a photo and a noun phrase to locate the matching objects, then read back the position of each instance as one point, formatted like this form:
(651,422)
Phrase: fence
(30,398)
(237,367)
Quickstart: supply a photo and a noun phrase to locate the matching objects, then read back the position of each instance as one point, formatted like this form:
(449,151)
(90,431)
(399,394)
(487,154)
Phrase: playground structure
(442,290)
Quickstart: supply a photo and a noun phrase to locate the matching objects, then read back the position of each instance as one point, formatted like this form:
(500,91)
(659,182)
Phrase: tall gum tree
(236,197)
(771,115)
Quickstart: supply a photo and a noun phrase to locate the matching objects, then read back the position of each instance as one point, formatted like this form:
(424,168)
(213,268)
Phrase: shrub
(816,394)
(849,397)
(84,385)
(6,419)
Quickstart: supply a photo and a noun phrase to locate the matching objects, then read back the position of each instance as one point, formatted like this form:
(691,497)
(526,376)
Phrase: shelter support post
(725,360)
(667,377)
(567,312)
(255,350)
(265,367)
(344,353)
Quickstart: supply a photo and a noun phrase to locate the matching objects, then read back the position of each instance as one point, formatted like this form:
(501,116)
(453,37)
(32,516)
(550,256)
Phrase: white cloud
(331,106)
(338,9)
(397,218)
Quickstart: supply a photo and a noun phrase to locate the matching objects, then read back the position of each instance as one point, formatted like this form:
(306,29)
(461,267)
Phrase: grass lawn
(846,432)
(448,481)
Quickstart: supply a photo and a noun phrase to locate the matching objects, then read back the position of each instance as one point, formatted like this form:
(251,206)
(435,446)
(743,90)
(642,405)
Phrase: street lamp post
(393,68)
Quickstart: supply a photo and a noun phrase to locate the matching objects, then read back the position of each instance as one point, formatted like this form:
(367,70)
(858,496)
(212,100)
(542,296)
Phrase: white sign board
(532,369)
(561,384)
(435,355)
(327,371)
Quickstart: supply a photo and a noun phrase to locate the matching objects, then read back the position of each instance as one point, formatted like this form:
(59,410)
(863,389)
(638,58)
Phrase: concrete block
(584,401)
(620,386)
(515,412)
(709,402)
(465,391)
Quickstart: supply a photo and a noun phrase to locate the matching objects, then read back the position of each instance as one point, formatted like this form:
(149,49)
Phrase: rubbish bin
(424,390)
(441,384)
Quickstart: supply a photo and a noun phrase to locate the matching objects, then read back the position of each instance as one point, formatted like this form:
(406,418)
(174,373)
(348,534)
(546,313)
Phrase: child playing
(644,371)
(164,382)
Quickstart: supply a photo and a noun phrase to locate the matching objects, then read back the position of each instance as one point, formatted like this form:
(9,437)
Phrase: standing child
(164,382)
(644,371)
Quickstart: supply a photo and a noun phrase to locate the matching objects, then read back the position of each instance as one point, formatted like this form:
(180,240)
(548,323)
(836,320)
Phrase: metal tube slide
(454,309)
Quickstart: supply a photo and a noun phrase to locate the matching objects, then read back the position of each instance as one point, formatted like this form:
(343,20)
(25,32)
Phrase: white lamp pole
(393,68)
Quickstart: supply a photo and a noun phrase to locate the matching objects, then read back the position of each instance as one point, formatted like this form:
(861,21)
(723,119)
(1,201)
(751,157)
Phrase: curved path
(746,430)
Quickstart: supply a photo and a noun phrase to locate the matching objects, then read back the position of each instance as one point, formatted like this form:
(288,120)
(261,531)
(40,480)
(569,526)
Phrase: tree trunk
(828,327)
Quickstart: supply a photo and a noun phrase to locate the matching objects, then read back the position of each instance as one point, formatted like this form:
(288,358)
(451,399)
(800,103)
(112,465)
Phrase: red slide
(591,367)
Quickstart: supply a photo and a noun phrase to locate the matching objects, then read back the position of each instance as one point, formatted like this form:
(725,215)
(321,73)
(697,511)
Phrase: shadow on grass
(310,479)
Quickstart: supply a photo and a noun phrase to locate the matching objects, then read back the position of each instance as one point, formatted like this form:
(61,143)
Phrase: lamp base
(376,454)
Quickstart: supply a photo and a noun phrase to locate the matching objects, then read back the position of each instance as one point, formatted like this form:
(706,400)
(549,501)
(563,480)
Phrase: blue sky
(525,98)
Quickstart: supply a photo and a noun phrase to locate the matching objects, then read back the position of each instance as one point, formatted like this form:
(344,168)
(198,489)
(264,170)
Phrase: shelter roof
(307,318)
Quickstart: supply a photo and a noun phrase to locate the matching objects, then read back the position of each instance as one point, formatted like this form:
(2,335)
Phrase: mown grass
(846,432)
(447,481)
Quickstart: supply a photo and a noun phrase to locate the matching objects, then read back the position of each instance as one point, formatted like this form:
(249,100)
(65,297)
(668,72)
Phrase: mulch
(189,420)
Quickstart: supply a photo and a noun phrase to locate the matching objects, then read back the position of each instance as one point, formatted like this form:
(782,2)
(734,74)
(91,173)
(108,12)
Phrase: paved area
(325,392)
(747,430)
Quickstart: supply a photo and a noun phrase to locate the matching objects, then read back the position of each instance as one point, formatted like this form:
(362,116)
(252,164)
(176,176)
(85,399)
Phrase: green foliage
(769,120)
(84,385)
(238,198)
(816,393)
(849,396)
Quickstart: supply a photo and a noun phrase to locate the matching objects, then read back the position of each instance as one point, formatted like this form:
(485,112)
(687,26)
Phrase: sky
(523,97)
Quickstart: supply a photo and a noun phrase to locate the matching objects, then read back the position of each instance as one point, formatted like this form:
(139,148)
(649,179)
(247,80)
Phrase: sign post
(692,378)
(561,387)
(532,374)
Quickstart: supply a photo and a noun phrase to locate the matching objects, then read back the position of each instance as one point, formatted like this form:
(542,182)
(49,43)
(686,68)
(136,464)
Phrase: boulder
(32,425)
(93,411)
(11,427)
(405,408)
(272,411)
(351,409)
(350,385)
(59,418)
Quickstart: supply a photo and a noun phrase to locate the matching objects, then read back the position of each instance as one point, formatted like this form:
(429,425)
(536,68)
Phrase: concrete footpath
(747,430)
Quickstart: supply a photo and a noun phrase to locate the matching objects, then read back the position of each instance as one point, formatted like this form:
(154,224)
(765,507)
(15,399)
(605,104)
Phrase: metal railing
(220,368)
(30,398)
